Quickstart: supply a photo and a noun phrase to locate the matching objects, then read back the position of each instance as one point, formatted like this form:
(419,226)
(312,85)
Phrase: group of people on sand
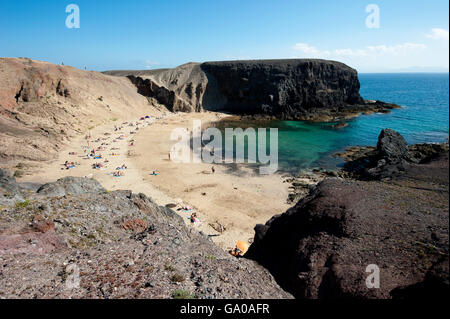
(92,152)
(68,165)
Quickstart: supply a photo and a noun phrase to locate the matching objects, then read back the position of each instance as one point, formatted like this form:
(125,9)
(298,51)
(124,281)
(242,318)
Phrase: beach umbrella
(242,246)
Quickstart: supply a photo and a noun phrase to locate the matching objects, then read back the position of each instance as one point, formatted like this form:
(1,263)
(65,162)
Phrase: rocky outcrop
(70,186)
(392,146)
(161,94)
(299,89)
(179,89)
(390,158)
(321,247)
(122,245)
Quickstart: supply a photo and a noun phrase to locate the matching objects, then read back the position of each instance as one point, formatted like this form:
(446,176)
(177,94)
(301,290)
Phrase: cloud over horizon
(438,34)
(430,54)
(369,51)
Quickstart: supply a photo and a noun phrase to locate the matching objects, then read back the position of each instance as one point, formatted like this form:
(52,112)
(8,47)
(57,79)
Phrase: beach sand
(235,199)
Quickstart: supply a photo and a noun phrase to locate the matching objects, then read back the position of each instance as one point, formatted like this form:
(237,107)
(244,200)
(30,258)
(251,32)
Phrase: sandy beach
(228,203)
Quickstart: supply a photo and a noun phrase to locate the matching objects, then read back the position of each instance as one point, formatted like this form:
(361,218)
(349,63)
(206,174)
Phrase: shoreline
(220,200)
(236,202)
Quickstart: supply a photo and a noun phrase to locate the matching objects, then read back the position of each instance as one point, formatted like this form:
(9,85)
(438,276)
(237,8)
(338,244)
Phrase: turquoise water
(423,118)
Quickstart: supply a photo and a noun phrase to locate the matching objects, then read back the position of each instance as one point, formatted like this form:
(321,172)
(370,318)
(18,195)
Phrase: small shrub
(23,204)
(177,278)
(21,165)
(19,173)
(182,294)
(168,267)
(210,257)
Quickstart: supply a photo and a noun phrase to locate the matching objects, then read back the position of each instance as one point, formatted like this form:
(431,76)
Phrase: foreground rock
(317,90)
(321,247)
(122,245)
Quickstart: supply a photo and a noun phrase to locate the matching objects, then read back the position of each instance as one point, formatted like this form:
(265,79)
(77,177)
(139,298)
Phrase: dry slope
(42,105)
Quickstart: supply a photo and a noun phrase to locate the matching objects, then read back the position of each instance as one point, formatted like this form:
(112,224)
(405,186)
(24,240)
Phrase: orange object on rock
(242,246)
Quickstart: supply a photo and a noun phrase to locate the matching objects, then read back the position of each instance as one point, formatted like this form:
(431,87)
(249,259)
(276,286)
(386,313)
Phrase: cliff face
(285,89)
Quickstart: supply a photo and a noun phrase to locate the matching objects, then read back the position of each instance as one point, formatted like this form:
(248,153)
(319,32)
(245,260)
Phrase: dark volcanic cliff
(288,89)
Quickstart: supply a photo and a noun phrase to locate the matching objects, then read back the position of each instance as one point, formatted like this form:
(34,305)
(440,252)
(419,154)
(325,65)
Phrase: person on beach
(193,218)
(213,170)
(118,174)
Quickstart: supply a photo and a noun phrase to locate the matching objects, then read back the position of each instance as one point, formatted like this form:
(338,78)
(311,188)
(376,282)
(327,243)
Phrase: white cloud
(438,34)
(307,50)
(374,58)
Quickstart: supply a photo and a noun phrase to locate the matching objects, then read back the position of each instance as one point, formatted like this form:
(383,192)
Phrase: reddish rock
(43,226)
(135,225)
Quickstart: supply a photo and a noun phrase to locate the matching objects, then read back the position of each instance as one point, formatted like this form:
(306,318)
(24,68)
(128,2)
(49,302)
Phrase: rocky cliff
(287,89)
(121,245)
(321,247)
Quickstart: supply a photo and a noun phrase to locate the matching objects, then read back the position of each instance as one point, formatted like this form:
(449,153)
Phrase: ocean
(424,117)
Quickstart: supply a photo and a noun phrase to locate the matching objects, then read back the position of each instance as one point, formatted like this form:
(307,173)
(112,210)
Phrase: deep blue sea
(423,118)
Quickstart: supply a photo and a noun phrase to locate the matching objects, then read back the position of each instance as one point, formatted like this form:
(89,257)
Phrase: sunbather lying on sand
(97,165)
(69,165)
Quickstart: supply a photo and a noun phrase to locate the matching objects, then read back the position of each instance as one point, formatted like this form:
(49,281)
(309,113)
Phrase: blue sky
(413,35)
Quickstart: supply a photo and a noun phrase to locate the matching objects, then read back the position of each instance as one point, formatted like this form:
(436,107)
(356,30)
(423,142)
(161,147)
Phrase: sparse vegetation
(24,204)
(19,173)
(21,165)
(182,294)
(177,278)
(210,257)
(168,267)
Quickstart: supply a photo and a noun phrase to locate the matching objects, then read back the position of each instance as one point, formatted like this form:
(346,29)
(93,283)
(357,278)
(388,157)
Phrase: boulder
(8,182)
(392,147)
(71,186)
